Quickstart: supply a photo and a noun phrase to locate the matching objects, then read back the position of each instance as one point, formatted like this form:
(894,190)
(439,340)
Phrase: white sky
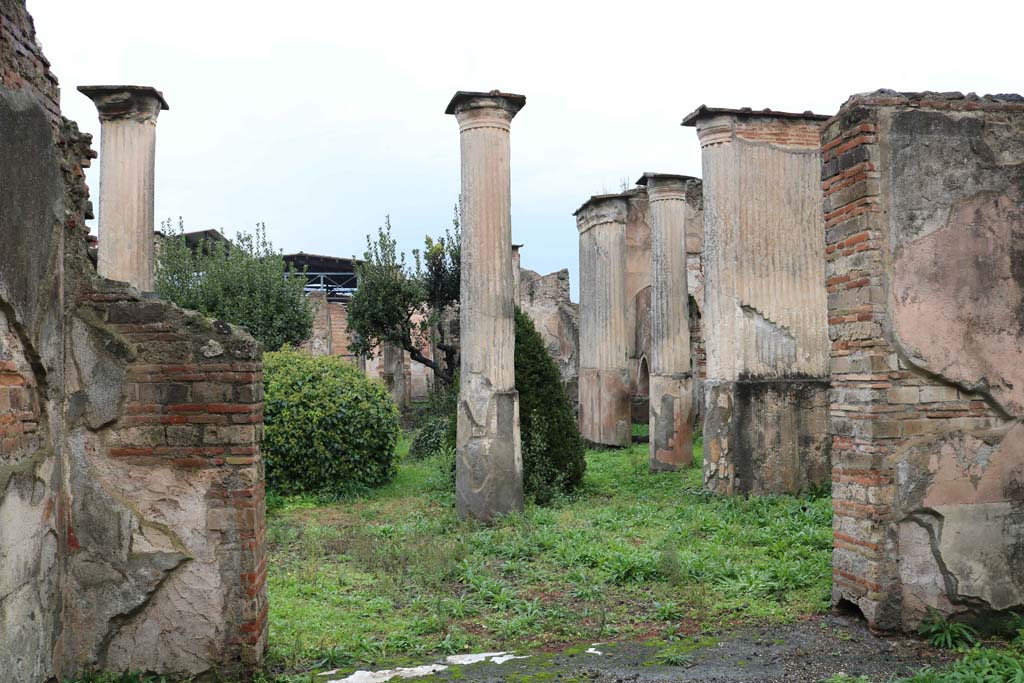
(321,117)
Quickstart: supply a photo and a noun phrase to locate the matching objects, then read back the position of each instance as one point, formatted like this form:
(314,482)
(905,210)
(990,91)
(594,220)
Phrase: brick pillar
(489,467)
(604,336)
(764,319)
(128,116)
(923,235)
(674,207)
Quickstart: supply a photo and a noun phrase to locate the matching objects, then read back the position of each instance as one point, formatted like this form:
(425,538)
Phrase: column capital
(661,186)
(115,102)
(716,125)
(484,109)
(603,208)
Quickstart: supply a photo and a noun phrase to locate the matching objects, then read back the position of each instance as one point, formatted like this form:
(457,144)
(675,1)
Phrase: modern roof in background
(333,276)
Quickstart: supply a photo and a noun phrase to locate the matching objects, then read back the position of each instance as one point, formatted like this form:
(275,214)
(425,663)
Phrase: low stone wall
(922,196)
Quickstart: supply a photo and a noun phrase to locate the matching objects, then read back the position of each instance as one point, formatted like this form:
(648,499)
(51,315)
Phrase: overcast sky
(321,117)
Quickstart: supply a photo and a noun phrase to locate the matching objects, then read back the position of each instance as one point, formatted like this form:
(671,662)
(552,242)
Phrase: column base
(766,436)
(605,407)
(671,422)
(489,461)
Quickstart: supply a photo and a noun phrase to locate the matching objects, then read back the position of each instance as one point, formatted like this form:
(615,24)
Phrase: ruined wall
(131,495)
(330,336)
(925,266)
(545,299)
(766,394)
(320,341)
(165,500)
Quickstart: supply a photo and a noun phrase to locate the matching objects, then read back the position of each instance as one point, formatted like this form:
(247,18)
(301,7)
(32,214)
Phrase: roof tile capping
(704,110)
(517,101)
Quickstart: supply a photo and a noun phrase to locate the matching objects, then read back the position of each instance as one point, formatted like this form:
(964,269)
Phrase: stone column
(516,274)
(489,465)
(392,365)
(128,116)
(766,422)
(604,373)
(674,208)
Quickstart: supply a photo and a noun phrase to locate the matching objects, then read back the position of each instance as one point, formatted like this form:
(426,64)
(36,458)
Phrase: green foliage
(979,665)
(245,283)
(328,427)
(399,305)
(124,677)
(628,550)
(432,438)
(946,634)
(553,451)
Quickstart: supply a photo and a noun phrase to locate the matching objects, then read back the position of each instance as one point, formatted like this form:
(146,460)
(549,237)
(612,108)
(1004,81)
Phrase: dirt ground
(805,651)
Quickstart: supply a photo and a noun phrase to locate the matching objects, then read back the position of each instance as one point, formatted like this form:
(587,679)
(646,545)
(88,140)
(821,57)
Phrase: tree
(403,306)
(553,452)
(244,282)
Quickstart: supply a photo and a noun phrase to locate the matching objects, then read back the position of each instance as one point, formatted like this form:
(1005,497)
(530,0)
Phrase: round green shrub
(328,428)
(431,438)
(553,451)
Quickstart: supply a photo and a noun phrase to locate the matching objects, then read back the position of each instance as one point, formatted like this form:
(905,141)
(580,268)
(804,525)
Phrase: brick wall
(22,64)
(19,404)
(778,132)
(889,409)
(131,485)
(184,447)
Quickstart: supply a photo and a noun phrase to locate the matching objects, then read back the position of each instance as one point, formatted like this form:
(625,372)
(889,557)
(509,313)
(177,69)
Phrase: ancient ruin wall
(131,499)
(764,315)
(924,232)
(545,299)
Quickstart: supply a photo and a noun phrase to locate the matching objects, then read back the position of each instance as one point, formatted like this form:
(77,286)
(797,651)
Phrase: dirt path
(807,651)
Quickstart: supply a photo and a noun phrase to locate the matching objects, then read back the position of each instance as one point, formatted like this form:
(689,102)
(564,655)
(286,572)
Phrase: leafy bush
(943,633)
(553,452)
(434,436)
(245,282)
(328,427)
(979,665)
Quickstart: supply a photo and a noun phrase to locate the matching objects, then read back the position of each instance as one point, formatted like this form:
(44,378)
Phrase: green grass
(395,576)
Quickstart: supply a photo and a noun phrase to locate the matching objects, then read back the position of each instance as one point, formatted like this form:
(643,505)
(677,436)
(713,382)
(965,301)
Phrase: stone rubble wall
(132,528)
(924,233)
(545,299)
(166,503)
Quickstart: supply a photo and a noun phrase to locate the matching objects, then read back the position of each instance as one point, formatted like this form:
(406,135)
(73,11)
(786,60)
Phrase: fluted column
(766,393)
(604,336)
(128,115)
(516,274)
(674,207)
(489,465)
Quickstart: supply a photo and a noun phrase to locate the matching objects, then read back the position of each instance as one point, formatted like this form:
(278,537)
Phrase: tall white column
(604,335)
(489,465)
(674,208)
(128,115)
